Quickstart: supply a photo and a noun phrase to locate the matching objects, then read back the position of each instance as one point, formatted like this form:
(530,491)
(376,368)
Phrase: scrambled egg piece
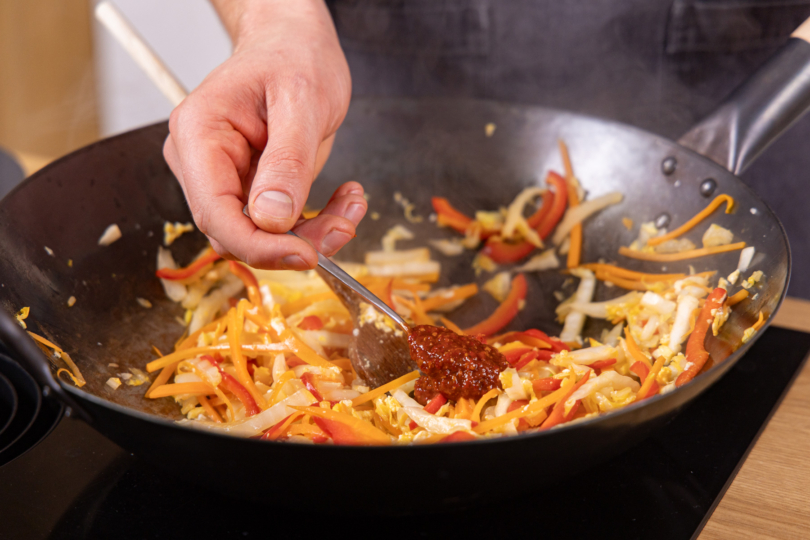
(173,231)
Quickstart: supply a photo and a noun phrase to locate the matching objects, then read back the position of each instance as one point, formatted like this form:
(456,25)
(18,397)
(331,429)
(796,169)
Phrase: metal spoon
(379,351)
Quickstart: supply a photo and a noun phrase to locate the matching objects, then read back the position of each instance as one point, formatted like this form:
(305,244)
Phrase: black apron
(656,64)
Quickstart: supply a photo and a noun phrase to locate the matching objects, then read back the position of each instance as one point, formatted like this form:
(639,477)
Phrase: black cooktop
(77,484)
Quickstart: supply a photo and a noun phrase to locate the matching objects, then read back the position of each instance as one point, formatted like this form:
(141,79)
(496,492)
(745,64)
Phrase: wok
(421,148)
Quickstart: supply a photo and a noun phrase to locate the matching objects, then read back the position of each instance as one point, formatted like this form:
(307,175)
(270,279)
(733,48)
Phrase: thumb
(284,175)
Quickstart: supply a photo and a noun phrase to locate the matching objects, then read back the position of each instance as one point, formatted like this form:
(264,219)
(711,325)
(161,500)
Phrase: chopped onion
(716,235)
(175,291)
(397,232)
(110,235)
(447,247)
(209,306)
(544,261)
(499,286)
(576,215)
(514,213)
(589,355)
(606,378)
(746,255)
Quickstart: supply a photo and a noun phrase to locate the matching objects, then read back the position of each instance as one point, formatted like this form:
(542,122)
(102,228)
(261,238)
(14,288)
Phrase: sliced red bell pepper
(504,313)
(230,384)
(272,433)
(345,428)
(517,404)
(311,322)
(557,211)
(250,281)
(309,383)
(432,407)
(458,436)
(294,361)
(251,366)
(558,346)
(514,355)
(180,274)
(449,216)
(642,370)
(503,252)
(549,384)
(526,358)
(696,353)
(602,364)
(558,415)
(537,218)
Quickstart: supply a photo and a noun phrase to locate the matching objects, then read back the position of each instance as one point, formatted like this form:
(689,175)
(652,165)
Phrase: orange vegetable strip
(279,384)
(634,349)
(380,390)
(304,352)
(737,298)
(505,312)
(307,430)
(191,340)
(459,293)
(449,216)
(476,413)
(185,354)
(648,382)
(575,236)
(235,324)
(191,271)
(209,409)
(45,342)
(250,281)
(558,415)
(76,381)
(700,216)
(629,284)
(297,305)
(450,325)
(193,388)
(531,409)
(278,430)
(162,377)
(683,255)
(632,274)
(76,375)
(760,322)
(365,432)
(696,354)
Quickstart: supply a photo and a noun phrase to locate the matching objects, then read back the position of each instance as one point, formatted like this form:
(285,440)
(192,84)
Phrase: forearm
(243,18)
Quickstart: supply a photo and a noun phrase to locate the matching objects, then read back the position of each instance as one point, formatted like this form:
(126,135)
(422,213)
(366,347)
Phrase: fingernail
(334,241)
(294,262)
(355,212)
(274,204)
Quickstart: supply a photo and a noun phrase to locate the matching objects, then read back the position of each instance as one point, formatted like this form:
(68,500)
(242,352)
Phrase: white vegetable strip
(598,310)
(502,405)
(589,355)
(208,306)
(514,213)
(575,320)
(658,303)
(437,424)
(110,235)
(260,422)
(607,378)
(340,394)
(683,321)
(279,366)
(175,291)
(405,400)
(515,390)
(576,215)
(545,261)
(746,255)
(612,338)
(398,257)
(413,268)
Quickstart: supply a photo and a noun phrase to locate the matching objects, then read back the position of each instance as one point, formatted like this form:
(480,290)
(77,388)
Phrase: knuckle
(288,162)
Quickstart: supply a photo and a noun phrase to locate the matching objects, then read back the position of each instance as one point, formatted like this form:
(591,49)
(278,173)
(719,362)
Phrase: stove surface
(78,484)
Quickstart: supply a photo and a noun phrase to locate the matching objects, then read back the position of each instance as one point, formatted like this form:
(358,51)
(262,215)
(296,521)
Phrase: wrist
(256,20)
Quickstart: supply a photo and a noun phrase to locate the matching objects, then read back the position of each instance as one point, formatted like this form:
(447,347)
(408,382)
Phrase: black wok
(421,148)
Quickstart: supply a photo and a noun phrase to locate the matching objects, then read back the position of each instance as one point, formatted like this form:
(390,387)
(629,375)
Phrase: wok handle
(758,111)
(34,361)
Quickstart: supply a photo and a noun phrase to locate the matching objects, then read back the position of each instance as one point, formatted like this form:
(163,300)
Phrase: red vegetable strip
(537,218)
(311,322)
(458,436)
(514,355)
(309,383)
(558,208)
(558,415)
(503,252)
(526,358)
(449,216)
(189,271)
(230,384)
(294,361)
(696,354)
(504,313)
(432,407)
(549,384)
(250,281)
(602,364)
(279,429)
(517,404)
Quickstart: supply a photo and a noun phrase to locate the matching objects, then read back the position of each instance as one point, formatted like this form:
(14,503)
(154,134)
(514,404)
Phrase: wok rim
(725,364)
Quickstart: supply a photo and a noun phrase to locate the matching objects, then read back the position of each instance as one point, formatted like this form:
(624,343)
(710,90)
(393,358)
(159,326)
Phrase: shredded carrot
(634,349)
(531,409)
(363,432)
(464,408)
(191,340)
(700,216)
(209,409)
(45,342)
(450,325)
(380,390)
(417,313)
(575,236)
(185,354)
(279,384)
(648,382)
(235,324)
(629,284)
(76,381)
(458,293)
(476,413)
(174,389)
(683,255)
(74,373)
(737,298)
(304,352)
(278,431)
(760,322)
(631,274)
(302,303)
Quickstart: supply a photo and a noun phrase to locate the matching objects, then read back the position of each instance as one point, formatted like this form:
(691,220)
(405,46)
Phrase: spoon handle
(354,285)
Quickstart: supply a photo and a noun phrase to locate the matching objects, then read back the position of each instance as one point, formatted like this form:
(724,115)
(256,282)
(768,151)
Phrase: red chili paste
(453,365)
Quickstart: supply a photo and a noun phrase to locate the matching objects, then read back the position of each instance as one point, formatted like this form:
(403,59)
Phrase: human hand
(258,130)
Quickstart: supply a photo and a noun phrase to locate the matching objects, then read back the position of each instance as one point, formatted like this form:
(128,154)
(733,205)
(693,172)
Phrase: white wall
(186,35)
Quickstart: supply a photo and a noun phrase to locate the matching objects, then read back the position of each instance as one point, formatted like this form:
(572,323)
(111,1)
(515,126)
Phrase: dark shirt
(658,65)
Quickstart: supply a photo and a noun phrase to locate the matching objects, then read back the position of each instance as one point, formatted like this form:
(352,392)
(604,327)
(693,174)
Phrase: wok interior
(419,148)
